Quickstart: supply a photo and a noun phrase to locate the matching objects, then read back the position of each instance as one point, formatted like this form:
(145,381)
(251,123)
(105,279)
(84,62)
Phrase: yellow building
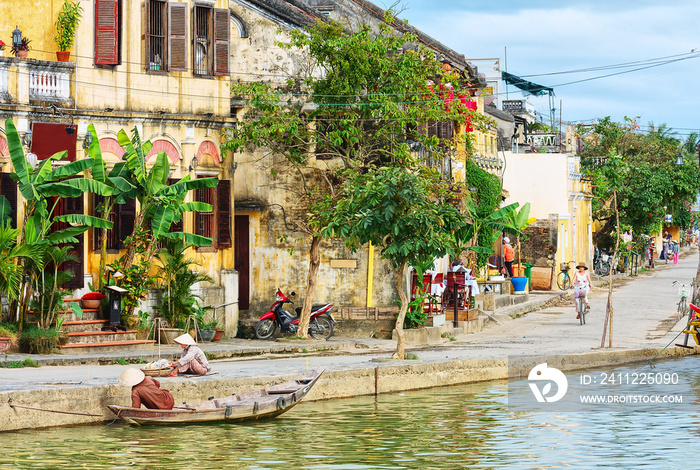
(159,66)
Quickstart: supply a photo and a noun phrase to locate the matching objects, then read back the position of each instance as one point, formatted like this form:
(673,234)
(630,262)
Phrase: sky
(546,36)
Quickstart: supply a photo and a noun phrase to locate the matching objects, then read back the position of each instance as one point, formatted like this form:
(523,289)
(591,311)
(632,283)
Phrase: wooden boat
(258,404)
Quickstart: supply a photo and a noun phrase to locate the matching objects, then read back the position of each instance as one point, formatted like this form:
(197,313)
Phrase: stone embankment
(644,318)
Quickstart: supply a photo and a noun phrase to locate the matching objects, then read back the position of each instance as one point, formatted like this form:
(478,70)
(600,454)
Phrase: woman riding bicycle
(581,283)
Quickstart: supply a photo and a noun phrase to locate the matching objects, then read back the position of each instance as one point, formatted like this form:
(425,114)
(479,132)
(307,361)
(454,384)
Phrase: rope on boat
(54,411)
(649,362)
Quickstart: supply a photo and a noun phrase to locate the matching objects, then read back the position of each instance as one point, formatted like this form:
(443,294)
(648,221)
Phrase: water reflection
(446,428)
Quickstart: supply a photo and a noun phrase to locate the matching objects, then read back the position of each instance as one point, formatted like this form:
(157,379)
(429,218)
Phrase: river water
(466,426)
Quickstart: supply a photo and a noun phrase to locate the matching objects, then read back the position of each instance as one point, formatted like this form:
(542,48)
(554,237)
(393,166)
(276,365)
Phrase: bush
(36,341)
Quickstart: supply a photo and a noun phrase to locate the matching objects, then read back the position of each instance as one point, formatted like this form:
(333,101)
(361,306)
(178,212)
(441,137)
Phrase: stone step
(112,346)
(101,336)
(495,302)
(80,326)
(88,314)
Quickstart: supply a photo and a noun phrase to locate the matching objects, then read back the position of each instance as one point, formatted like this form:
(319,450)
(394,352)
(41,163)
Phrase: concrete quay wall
(385,377)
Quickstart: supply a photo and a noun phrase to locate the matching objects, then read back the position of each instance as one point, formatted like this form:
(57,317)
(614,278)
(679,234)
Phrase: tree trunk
(608,324)
(103,248)
(517,242)
(403,296)
(314,262)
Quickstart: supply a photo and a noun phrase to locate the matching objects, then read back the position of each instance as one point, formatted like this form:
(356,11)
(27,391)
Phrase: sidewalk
(643,309)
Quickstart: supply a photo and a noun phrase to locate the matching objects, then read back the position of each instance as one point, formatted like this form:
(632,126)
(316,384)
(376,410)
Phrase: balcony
(35,82)
(539,143)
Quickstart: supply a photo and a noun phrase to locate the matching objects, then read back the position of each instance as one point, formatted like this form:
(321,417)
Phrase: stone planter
(218,335)
(63,338)
(206,334)
(168,335)
(130,321)
(4,344)
(90,304)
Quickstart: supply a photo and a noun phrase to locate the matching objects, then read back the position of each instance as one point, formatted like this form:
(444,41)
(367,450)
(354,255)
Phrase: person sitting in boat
(192,360)
(146,391)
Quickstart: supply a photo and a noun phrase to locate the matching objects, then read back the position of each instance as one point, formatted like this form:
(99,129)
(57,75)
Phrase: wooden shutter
(223,214)
(126,214)
(8,188)
(106,32)
(177,36)
(221,41)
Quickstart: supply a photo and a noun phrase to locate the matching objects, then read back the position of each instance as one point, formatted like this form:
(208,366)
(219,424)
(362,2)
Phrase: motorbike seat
(313,309)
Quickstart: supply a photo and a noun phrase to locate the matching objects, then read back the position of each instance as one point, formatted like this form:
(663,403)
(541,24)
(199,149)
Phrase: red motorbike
(320,324)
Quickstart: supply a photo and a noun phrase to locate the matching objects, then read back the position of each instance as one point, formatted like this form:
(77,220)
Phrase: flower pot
(130,321)
(63,56)
(63,338)
(519,284)
(22,54)
(90,304)
(4,344)
(218,335)
(168,335)
(207,334)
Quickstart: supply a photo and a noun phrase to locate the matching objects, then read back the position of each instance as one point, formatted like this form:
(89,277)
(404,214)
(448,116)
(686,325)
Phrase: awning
(524,85)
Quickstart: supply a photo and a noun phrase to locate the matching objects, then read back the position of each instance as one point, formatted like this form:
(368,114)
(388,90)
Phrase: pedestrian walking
(675,250)
(508,256)
(664,248)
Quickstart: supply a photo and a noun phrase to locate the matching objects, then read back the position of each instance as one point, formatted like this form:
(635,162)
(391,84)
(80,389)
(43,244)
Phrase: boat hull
(259,404)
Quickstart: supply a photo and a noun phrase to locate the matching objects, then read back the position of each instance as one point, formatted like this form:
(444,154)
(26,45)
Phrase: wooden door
(72,205)
(242,259)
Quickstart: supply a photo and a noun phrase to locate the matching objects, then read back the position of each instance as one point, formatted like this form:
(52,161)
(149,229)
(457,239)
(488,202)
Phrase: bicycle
(683,302)
(563,278)
(581,309)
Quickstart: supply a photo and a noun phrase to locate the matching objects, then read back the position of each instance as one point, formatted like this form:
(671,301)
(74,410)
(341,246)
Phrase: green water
(443,428)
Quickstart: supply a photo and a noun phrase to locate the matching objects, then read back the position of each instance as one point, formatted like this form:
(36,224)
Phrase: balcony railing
(28,81)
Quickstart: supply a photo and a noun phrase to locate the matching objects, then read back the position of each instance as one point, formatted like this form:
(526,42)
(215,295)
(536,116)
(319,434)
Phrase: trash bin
(528,272)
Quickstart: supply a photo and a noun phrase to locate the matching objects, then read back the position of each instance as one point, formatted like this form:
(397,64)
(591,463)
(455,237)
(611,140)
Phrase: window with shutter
(221,41)
(70,205)
(202,54)
(156,16)
(8,188)
(122,216)
(107,32)
(223,214)
(177,36)
(204,221)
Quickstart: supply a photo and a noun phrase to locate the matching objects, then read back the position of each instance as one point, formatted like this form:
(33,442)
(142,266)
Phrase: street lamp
(16,38)
(679,159)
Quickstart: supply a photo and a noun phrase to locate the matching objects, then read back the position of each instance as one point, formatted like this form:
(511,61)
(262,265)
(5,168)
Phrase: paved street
(640,308)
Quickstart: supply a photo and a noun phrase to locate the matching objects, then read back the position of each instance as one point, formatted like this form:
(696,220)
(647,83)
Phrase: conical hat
(185,339)
(131,377)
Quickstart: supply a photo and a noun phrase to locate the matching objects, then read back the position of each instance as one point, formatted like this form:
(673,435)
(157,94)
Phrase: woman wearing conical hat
(192,361)
(146,391)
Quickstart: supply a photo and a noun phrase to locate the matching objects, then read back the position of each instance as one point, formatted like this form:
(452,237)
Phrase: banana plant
(121,191)
(160,204)
(517,222)
(37,187)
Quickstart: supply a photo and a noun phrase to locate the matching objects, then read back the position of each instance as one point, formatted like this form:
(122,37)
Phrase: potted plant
(2,47)
(207,330)
(175,280)
(91,300)
(518,221)
(66,23)
(21,49)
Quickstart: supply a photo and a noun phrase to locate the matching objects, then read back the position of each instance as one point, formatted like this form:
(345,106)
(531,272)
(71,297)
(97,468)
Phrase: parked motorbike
(320,324)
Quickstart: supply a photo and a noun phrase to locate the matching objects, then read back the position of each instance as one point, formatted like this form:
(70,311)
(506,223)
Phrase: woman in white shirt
(581,283)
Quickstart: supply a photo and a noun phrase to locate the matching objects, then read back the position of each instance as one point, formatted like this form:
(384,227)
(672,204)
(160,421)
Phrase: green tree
(361,103)
(405,213)
(647,171)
